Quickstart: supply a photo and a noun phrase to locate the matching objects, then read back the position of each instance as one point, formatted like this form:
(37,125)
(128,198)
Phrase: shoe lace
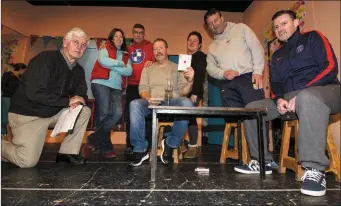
(253,162)
(313,175)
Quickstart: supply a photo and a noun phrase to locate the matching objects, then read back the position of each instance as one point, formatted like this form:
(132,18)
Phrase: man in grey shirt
(236,58)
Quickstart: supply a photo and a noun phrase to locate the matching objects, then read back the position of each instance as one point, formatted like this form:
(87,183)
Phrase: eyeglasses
(77,44)
(282,24)
(139,33)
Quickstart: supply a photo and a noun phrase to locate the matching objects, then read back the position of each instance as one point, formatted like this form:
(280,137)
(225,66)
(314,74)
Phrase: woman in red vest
(112,66)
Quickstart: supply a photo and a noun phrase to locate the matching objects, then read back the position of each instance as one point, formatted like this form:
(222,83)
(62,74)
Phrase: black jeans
(239,92)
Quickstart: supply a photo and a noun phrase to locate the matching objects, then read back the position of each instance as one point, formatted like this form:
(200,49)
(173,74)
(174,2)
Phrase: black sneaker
(314,182)
(140,157)
(128,151)
(253,167)
(167,152)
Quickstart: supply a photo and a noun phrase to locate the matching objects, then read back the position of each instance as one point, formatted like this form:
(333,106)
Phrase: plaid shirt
(69,64)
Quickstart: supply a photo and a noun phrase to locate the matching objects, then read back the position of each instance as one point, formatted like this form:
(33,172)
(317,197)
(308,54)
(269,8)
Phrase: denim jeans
(109,108)
(139,110)
(132,94)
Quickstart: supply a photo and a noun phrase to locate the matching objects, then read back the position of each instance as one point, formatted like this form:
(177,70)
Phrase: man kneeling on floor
(152,84)
(54,82)
(304,81)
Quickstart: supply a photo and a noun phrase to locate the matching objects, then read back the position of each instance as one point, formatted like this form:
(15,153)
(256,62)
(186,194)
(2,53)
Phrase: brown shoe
(191,153)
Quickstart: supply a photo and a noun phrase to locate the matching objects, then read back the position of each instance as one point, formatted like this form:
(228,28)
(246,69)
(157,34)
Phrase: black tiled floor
(112,182)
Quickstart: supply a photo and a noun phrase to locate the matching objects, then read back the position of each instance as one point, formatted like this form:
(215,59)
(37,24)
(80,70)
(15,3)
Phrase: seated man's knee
(306,98)
(185,102)
(255,104)
(135,104)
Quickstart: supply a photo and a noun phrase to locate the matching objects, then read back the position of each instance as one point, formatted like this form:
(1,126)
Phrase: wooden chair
(178,153)
(292,162)
(161,127)
(225,152)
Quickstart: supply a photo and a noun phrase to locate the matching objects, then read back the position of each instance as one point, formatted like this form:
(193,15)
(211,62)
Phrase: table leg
(153,160)
(239,133)
(261,145)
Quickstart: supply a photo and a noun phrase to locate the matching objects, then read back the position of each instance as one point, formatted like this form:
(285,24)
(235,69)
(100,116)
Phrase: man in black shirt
(54,82)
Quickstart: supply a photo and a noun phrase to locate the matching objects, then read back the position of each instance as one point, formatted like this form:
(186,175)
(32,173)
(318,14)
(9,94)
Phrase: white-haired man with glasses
(54,82)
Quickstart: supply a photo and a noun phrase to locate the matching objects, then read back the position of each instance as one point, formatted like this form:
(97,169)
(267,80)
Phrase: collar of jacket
(293,39)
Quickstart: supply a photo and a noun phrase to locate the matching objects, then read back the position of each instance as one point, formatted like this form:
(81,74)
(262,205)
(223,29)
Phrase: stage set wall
(173,25)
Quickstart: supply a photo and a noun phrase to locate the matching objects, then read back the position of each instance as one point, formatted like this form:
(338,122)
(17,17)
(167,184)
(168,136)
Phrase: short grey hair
(78,32)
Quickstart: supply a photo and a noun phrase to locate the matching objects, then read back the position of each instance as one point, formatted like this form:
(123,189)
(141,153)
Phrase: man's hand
(102,46)
(258,80)
(194,98)
(148,63)
(76,99)
(189,74)
(292,104)
(282,106)
(154,102)
(74,105)
(230,74)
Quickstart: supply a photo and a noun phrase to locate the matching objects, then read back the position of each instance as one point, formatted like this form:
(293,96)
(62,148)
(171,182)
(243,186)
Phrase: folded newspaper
(66,121)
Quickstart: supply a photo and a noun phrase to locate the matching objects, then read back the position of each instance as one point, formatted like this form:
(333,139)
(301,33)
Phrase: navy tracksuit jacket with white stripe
(303,61)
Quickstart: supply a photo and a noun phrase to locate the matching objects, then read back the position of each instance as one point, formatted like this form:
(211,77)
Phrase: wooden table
(176,111)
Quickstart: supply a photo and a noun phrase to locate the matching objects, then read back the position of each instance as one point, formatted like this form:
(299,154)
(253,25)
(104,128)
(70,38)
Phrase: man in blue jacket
(304,81)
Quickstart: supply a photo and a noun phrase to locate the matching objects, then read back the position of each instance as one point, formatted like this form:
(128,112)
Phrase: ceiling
(227,5)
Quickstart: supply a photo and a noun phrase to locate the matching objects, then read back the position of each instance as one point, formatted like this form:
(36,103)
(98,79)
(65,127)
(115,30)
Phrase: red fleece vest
(99,72)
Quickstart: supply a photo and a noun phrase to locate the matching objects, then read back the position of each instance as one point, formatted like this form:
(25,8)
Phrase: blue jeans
(109,108)
(139,110)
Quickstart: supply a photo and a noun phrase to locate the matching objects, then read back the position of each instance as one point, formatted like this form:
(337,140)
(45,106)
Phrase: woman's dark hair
(195,33)
(111,37)
(19,66)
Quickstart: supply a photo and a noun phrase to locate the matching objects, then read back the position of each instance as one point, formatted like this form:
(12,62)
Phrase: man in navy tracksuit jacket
(303,80)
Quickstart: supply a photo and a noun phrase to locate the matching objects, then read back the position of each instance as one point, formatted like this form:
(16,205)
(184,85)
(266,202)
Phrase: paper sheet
(184,62)
(66,121)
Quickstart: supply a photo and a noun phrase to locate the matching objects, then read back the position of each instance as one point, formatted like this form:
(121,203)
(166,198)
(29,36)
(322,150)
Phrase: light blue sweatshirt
(116,67)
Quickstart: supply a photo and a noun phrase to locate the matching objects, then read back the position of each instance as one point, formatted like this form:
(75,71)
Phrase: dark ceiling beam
(227,5)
